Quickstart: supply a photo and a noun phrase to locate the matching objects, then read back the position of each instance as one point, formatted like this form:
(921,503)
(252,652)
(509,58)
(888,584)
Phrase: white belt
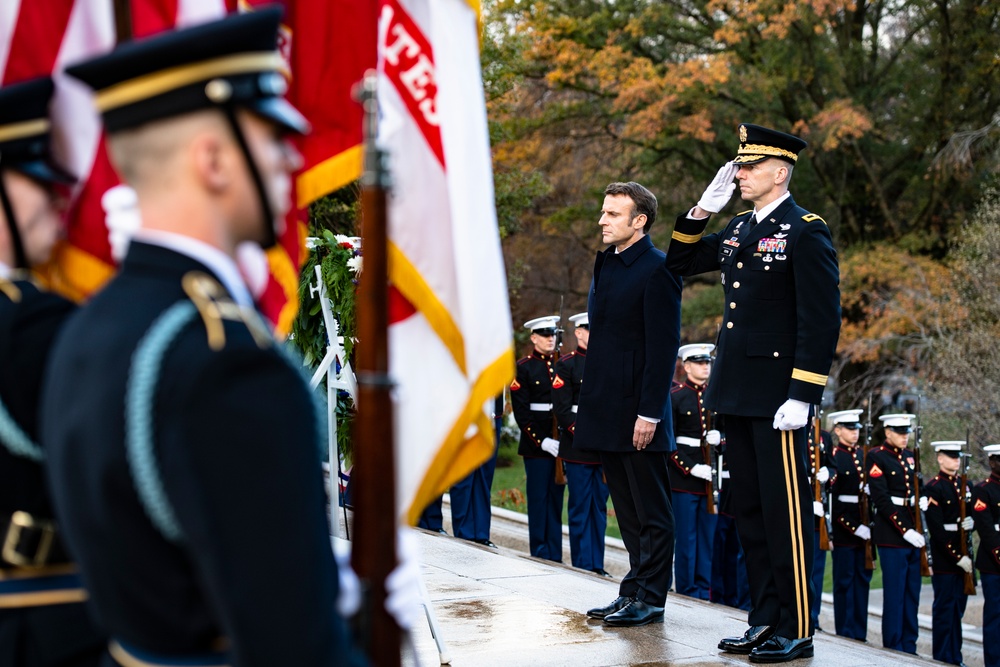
(690,442)
(847,499)
(575,408)
(725,474)
(541,407)
(898,500)
(951,527)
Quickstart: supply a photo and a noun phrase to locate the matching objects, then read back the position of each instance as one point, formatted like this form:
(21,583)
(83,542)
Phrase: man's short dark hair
(644,201)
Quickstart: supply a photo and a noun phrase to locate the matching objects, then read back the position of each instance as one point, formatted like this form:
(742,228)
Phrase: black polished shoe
(486,543)
(617,605)
(753,637)
(635,613)
(779,649)
(601,571)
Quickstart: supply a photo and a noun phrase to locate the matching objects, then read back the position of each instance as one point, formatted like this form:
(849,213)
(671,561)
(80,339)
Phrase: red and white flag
(450,349)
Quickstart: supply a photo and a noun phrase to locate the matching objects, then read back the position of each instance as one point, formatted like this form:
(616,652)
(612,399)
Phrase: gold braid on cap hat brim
(757,151)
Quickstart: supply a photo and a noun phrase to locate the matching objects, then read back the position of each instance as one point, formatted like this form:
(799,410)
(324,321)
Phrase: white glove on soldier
(403,587)
(924,503)
(720,190)
(868,490)
(968,523)
(966,564)
(914,538)
(823,476)
(702,471)
(791,415)
(818,509)
(551,446)
(349,595)
(713,437)
(864,532)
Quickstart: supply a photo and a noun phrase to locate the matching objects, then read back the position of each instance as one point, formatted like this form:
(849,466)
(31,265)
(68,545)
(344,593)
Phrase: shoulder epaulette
(570,355)
(523,359)
(744,212)
(10,290)
(214,305)
(809,217)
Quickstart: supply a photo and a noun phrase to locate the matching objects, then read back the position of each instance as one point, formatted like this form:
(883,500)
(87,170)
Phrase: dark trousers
(991,618)
(432,517)
(545,502)
(901,597)
(774,517)
(470,502)
(851,583)
(50,636)
(729,569)
(947,612)
(694,530)
(587,515)
(818,573)
(640,491)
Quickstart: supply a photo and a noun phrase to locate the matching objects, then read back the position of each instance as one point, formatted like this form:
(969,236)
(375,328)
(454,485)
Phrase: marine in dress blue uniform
(986,516)
(471,510)
(691,477)
(821,469)
(531,401)
(892,481)
(587,507)
(43,620)
(184,445)
(950,566)
(851,579)
(779,333)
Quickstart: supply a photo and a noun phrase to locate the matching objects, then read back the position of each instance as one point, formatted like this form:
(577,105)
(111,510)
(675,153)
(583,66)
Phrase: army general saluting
(781,322)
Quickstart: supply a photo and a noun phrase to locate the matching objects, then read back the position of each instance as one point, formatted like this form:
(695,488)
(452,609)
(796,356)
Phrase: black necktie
(752,222)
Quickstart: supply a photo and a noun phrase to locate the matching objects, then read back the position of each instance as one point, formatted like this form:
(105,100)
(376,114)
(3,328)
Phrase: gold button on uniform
(767,268)
(739,265)
(736,285)
(732,305)
(775,354)
(729,325)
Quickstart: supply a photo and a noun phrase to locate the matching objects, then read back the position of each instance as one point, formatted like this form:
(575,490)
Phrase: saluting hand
(720,190)
(642,435)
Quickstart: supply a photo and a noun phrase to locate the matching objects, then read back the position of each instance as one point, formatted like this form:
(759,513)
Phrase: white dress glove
(914,538)
(349,593)
(868,490)
(924,503)
(864,532)
(713,437)
(791,415)
(823,476)
(720,190)
(968,523)
(702,471)
(551,446)
(818,509)
(966,564)
(403,587)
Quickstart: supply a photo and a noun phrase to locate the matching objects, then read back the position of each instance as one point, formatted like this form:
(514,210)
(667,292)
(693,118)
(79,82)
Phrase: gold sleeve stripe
(28,128)
(686,238)
(806,376)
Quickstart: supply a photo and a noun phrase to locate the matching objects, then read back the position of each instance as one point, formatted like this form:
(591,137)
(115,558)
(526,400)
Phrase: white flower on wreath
(354,264)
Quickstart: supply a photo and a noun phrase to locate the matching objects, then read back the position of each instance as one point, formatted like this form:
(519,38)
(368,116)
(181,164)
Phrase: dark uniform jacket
(781,318)
(690,425)
(847,490)
(531,401)
(892,481)
(235,438)
(986,514)
(635,316)
(942,521)
(566,398)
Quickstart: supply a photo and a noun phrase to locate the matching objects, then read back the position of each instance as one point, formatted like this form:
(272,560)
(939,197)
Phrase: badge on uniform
(558,383)
(875,471)
(785,227)
(770,244)
(515,385)
(727,251)
(734,242)
(980,505)
(781,258)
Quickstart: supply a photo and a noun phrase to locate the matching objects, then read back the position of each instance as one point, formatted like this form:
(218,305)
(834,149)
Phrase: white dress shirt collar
(767,210)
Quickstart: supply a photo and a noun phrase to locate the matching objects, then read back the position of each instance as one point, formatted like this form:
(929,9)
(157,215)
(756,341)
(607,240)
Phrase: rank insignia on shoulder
(932,500)
(515,385)
(875,471)
(10,290)
(558,383)
(214,305)
(809,217)
(979,506)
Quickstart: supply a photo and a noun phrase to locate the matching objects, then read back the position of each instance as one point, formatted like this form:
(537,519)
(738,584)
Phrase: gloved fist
(791,415)
(404,588)
(966,564)
(924,503)
(968,523)
(818,509)
(702,471)
(713,437)
(864,532)
(914,538)
(868,490)
(551,446)
(349,593)
(720,190)
(823,476)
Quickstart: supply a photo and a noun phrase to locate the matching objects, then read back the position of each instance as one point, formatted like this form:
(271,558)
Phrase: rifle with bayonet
(824,529)
(964,536)
(863,500)
(712,485)
(918,523)
(560,475)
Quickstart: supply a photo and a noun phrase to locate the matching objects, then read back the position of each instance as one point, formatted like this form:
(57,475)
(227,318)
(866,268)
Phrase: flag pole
(123,21)
(374,548)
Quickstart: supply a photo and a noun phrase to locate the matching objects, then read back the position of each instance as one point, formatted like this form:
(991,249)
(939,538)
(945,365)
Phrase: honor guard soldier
(941,507)
(531,401)
(851,578)
(819,473)
(184,445)
(471,510)
(779,333)
(42,614)
(892,479)
(986,515)
(690,476)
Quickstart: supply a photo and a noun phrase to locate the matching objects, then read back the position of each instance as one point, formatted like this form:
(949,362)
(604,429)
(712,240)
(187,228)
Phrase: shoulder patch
(558,383)
(979,506)
(515,385)
(214,306)
(875,471)
(809,217)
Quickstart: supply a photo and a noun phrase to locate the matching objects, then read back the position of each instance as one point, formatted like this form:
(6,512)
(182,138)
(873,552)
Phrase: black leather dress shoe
(635,613)
(753,637)
(486,543)
(601,571)
(779,649)
(617,605)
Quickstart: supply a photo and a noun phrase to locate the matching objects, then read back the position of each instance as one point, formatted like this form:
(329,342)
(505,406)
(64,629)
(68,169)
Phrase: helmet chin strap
(269,239)
(20,257)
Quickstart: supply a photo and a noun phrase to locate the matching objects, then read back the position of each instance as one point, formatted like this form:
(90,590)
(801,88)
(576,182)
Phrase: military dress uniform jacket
(986,514)
(781,318)
(847,489)
(531,401)
(566,401)
(235,437)
(892,481)
(690,424)
(942,521)
(635,316)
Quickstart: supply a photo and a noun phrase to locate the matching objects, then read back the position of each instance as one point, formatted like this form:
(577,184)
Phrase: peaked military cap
(951,448)
(847,418)
(901,423)
(696,352)
(760,143)
(581,320)
(992,450)
(25,131)
(545,326)
(233,61)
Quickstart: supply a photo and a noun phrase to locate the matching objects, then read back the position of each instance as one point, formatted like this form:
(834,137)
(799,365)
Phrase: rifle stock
(824,533)
(706,451)
(862,496)
(964,538)
(560,474)
(918,523)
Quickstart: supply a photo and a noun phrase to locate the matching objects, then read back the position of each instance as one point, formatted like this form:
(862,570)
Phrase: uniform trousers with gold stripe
(773,511)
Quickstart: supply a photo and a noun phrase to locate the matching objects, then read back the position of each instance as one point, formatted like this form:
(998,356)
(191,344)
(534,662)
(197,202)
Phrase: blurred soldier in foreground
(43,621)
(986,515)
(470,499)
(185,453)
